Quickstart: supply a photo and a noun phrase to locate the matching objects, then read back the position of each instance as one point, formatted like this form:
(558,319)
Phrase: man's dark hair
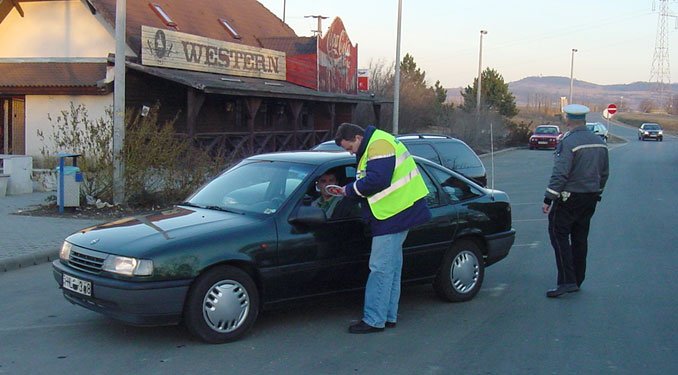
(347,132)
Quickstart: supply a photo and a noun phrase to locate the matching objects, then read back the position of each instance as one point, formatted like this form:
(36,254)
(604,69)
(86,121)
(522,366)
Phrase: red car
(545,136)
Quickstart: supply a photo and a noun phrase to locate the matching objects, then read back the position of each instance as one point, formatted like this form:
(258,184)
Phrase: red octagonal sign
(612,109)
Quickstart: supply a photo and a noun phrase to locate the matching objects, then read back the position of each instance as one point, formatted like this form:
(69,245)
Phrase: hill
(548,90)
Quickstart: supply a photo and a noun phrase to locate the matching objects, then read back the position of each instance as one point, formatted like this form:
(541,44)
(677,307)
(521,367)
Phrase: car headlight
(128,266)
(661,132)
(65,251)
(646,132)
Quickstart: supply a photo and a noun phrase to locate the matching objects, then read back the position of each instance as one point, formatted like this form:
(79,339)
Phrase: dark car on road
(650,130)
(250,239)
(447,151)
(545,136)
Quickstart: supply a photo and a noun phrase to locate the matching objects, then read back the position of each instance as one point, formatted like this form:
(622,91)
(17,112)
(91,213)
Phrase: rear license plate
(543,142)
(77,285)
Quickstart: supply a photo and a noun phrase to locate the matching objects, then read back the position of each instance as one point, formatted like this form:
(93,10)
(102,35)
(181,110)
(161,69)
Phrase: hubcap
(464,272)
(226,306)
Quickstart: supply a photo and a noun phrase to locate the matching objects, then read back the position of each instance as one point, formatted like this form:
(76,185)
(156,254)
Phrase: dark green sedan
(250,239)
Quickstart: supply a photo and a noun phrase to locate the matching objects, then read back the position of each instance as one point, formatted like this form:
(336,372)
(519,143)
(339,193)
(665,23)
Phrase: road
(624,321)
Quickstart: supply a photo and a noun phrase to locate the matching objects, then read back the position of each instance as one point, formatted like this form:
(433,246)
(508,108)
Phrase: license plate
(542,142)
(77,285)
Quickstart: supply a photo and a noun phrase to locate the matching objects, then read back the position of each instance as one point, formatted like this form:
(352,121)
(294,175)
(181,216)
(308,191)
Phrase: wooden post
(195,100)
(295,111)
(252,105)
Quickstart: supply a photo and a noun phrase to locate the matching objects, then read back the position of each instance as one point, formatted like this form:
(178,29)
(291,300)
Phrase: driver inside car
(325,201)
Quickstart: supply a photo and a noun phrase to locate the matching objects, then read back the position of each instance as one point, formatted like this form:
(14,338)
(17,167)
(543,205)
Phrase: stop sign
(612,109)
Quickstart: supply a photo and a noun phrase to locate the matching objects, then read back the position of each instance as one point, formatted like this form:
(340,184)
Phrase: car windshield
(651,127)
(546,130)
(252,186)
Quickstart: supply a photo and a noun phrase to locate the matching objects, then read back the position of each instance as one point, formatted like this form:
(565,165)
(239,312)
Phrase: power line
(660,73)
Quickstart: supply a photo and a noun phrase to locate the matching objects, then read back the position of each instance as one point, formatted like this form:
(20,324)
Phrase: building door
(12,125)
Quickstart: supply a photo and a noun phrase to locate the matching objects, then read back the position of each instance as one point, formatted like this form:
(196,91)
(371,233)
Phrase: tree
(441,93)
(495,95)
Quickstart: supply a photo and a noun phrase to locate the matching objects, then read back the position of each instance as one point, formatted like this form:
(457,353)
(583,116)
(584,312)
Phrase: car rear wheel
(461,274)
(222,305)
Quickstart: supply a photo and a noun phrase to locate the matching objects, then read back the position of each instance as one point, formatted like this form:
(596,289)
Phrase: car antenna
(492,158)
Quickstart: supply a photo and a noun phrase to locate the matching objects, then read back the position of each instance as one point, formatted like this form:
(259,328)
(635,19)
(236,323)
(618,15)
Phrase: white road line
(47,326)
(529,220)
(531,244)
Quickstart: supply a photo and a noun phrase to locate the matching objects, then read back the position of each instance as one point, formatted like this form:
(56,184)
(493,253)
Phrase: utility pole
(660,73)
(480,67)
(284,9)
(571,75)
(119,102)
(320,19)
(396,83)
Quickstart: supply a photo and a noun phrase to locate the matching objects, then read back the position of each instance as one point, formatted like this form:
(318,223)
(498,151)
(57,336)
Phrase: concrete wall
(39,106)
(55,29)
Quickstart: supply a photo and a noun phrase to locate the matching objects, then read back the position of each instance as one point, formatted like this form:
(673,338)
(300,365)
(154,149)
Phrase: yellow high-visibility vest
(407,185)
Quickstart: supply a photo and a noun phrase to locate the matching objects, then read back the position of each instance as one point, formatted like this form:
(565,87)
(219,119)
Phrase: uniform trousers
(569,223)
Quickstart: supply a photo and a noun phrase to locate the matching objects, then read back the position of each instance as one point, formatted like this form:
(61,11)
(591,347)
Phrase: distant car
(444,150)
(650,130)
(599,129)
(545,136)
(250,239)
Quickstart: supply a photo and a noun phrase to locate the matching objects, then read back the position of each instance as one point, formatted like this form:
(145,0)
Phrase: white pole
(571,75)
(480,67)
(119,102)
(396,83)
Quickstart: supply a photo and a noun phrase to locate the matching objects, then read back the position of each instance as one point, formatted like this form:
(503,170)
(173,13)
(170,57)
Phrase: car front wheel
(461,274)
(222,305)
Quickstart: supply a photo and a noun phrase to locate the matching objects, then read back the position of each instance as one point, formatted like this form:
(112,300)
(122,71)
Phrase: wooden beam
(18,7)
(295,111)
(376,107)
(195,100)
(252,105)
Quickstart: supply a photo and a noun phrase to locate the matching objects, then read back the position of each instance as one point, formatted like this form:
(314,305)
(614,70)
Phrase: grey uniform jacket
(580,164)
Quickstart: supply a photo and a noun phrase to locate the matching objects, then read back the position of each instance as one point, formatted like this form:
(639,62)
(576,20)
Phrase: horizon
(445,42)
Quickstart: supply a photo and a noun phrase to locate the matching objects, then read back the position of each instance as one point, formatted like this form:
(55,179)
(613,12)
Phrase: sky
(615,39)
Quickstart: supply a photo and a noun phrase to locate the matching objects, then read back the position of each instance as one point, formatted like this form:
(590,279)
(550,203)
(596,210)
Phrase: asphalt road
(624,321)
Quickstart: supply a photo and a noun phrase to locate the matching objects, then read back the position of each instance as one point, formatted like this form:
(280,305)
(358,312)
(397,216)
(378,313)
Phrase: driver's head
(328,178)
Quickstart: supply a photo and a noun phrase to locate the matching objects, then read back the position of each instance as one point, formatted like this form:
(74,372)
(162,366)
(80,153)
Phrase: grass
(668,122)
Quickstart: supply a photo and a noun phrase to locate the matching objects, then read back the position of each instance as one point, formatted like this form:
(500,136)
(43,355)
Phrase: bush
(161,167)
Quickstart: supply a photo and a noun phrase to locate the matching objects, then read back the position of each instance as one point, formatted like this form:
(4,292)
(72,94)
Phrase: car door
(425,244)
(324,257)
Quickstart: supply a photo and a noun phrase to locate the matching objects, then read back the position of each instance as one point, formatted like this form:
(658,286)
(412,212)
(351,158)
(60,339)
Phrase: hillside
(548,90)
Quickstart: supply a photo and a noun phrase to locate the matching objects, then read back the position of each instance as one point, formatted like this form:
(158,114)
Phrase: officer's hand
(545,208)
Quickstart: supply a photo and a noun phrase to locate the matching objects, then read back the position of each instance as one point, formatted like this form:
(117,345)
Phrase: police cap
(576,111)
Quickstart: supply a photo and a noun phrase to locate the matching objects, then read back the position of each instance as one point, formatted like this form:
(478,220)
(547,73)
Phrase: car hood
(137,235)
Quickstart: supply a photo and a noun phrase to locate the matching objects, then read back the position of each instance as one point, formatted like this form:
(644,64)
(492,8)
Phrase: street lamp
(396,84)
(480,65)
(572,74)
(621,103)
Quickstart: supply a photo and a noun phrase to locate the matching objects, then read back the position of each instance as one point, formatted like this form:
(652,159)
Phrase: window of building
(162,14)
(234,33)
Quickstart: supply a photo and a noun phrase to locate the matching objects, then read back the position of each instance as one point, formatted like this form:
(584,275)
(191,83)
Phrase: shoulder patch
(380,148)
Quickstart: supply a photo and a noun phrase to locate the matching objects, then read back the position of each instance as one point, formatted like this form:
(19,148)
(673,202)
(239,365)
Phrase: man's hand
(545,208)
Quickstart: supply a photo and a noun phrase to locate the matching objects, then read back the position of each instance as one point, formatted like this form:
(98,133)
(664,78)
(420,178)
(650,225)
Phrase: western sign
(172,49)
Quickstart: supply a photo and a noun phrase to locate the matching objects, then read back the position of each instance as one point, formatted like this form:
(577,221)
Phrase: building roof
(212,83)
(55,77)
(301,45)
(249,18)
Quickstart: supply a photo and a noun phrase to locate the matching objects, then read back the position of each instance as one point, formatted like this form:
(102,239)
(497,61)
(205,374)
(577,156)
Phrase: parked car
(599,129)
(545,136)
(447,151)
(650,130)
(250,239)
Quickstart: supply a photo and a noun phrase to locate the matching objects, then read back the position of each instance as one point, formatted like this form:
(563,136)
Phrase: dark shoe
(562,289)
(390,324)
(362,327)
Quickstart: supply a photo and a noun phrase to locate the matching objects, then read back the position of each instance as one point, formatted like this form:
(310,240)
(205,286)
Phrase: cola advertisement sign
(337,61)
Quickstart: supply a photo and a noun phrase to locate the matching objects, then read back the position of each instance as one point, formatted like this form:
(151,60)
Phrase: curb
(27,260)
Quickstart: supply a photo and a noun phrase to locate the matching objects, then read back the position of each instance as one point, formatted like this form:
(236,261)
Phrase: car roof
(547,126)
(305,157)
(649,123)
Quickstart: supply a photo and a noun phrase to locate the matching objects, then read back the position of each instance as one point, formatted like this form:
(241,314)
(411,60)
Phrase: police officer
(580,171)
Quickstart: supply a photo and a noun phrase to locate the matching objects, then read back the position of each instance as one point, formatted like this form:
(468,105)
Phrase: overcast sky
(615,39)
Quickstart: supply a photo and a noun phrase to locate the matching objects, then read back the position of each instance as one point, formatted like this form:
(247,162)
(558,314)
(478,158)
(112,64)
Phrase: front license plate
(542,142)
(77,285)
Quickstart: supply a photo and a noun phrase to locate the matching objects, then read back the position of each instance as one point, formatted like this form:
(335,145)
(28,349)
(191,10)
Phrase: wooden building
(239,79)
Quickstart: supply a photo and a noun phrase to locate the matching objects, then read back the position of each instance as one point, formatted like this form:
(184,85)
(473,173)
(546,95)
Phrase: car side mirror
(310,216)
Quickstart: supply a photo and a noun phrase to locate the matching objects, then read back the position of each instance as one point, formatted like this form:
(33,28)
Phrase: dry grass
(535,117)
(668,122)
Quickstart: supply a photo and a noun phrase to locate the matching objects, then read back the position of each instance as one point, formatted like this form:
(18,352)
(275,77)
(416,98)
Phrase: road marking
(532,244)
(496,291)
(47,326)
(526,220)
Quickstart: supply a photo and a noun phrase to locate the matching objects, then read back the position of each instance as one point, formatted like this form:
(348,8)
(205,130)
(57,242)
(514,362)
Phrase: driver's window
(432,199)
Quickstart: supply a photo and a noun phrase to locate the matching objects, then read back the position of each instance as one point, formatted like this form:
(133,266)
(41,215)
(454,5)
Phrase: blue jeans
(382,292)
